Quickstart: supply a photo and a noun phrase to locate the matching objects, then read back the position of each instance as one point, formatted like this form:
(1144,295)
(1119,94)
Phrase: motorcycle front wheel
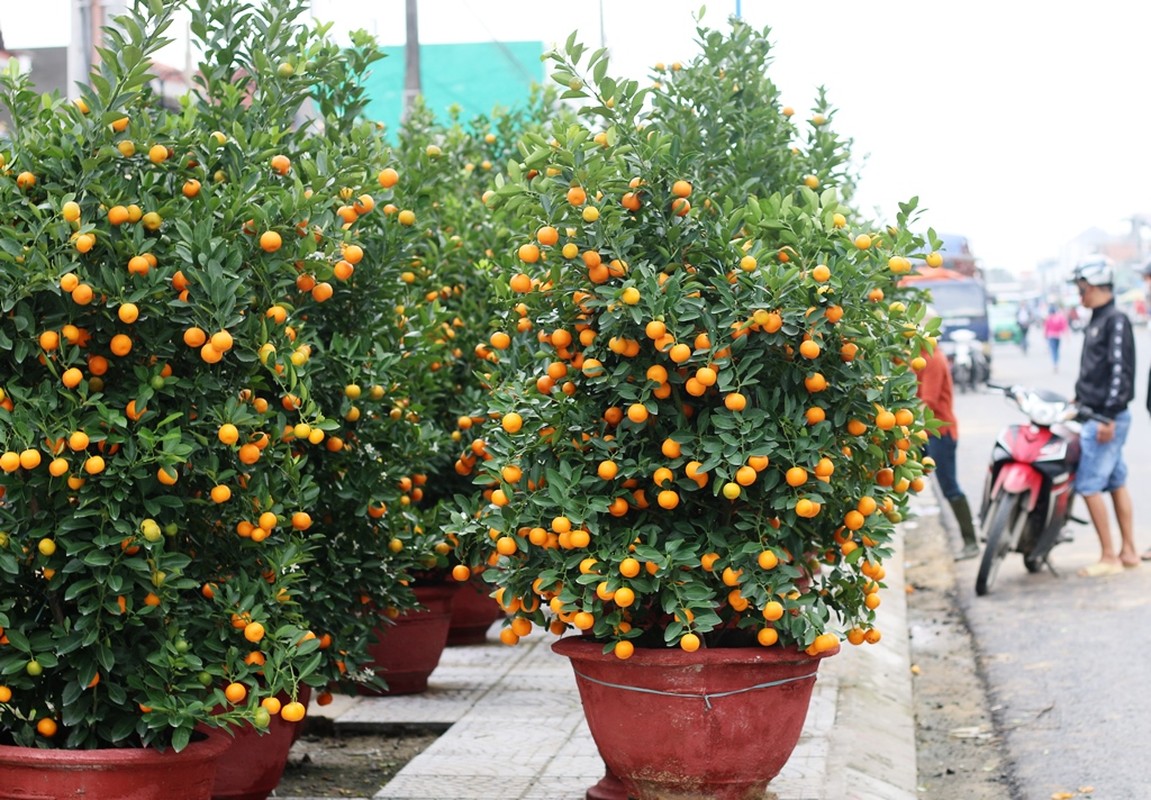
(1003,527)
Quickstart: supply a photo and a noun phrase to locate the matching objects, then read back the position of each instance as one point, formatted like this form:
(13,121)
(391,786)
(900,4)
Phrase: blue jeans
(1053,345)
(942,449)
(1101,465)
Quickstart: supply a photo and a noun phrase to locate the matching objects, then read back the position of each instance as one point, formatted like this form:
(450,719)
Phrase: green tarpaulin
(476,76)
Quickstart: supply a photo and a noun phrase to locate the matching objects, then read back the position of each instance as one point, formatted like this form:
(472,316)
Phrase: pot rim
(584,648)
(206,748)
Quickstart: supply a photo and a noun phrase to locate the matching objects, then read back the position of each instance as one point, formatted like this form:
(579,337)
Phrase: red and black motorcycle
(1030,486)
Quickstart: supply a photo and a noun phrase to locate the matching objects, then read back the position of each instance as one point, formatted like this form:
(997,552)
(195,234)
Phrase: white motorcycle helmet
(1094,271)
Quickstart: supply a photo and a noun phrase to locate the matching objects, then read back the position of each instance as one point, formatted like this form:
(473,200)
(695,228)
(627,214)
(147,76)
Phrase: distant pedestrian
(1106,385)
(935,390)
(1023,320)
(1054,329)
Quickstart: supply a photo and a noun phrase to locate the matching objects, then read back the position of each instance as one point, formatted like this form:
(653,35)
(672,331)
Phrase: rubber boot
(966,528)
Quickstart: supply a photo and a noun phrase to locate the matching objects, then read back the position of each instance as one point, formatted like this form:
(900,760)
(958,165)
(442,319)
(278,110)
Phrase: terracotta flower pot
(473,612)
(251,767)
(129,773)
(717,724)
(609,787)
(408,651)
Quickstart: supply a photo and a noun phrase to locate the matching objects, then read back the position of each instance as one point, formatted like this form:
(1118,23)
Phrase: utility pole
(80,45)
(411,58)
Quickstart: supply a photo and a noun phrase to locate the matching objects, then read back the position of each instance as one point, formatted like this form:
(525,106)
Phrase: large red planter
(131,773)
(408,651)
(716,724)
(473,612)
(251,767)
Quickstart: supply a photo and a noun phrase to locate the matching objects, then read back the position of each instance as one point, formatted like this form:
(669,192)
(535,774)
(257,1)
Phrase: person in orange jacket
(935,390)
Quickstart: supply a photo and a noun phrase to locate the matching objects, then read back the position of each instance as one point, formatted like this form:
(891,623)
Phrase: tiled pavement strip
(518,732)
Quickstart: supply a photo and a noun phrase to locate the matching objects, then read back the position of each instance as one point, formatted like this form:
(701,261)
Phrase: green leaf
(105,657)
(72,692)
(600,69)
(18,640)
(97,558)
(77,588)
(180,738)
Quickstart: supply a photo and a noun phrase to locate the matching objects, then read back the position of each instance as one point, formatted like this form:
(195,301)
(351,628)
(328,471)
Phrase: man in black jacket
(1106,385)
(1147,282)
(1147,296)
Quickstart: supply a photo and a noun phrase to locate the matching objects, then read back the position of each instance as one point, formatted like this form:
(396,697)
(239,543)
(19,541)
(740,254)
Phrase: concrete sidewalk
(517,729)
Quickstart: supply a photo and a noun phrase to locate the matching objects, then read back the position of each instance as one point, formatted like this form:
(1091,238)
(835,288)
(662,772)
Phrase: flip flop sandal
(1099,570)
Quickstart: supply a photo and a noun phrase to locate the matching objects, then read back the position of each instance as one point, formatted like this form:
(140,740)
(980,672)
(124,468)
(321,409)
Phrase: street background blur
(1064,656)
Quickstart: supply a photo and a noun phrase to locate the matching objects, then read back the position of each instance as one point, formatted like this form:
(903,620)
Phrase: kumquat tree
(358,334)
(703,381)
(452,166)
(175,392)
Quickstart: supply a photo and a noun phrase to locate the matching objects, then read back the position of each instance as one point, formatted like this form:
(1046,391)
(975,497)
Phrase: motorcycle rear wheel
(1004,525)
(962,378)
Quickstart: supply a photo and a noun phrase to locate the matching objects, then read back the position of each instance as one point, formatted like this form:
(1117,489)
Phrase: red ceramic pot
(129,773)
(609,787)
(473,612)
(251,767)
(408,651)
(717,724)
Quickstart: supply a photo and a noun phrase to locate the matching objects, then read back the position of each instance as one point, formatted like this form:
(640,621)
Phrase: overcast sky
(1018,124)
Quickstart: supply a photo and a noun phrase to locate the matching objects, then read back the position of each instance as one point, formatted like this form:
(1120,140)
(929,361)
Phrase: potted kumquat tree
(382,361)
(703,422)
(445,168)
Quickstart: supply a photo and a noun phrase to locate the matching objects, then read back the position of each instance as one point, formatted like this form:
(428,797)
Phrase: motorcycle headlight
(1042,412)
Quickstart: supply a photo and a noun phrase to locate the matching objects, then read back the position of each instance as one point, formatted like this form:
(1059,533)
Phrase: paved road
(1066,658)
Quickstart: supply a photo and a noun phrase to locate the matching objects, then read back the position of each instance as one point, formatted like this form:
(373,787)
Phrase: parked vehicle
(1004,322)
(961,303)
(969,366)
(957,255)
(1133,303)
(1030,486)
